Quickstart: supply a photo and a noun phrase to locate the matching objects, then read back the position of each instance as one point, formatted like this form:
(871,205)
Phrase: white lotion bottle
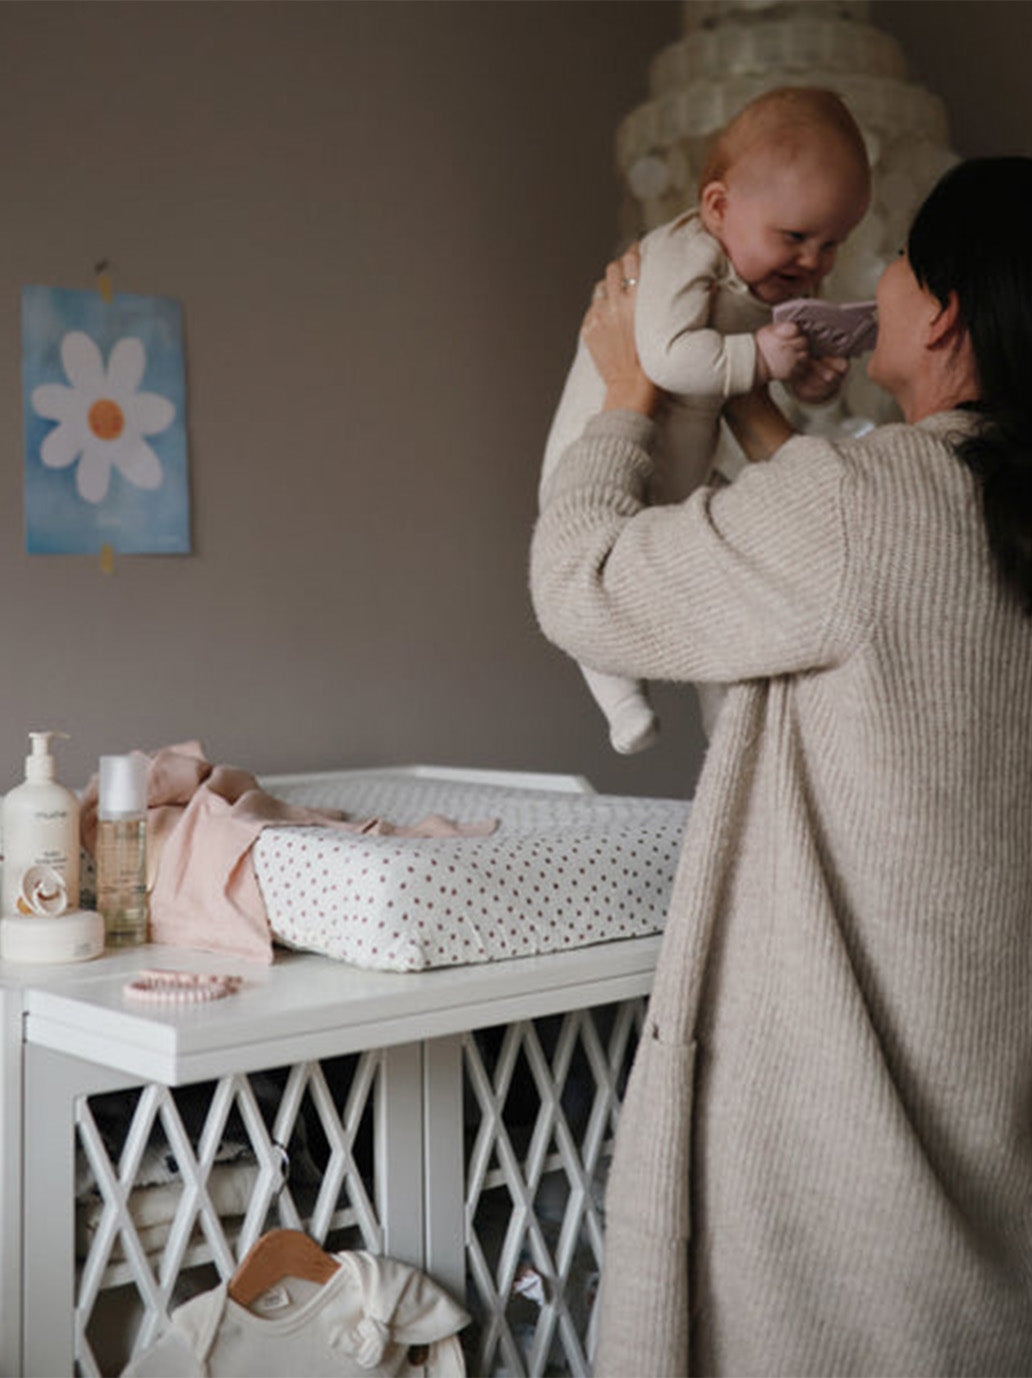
(40,839)
(122,849)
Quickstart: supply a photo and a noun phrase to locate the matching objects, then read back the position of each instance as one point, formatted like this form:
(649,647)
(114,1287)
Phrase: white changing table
(69,1034)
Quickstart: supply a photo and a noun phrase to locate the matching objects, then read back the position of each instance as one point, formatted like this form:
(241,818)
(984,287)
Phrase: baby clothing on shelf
(374,1318)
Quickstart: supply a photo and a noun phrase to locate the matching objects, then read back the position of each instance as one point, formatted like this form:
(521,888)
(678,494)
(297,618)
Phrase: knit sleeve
(740,582)
(680,268)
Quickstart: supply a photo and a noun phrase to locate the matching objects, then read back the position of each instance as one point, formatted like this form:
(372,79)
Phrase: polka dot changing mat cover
(560,871)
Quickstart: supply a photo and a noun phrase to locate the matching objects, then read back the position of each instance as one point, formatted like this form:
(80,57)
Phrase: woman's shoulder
(934,437)
(890,466)
(903,483)
(881,450)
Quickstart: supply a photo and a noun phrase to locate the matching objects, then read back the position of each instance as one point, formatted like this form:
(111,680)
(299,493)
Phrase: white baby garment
(359,1324)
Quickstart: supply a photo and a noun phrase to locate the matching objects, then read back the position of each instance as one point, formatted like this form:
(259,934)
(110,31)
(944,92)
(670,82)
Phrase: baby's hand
(818,380)
(780,349)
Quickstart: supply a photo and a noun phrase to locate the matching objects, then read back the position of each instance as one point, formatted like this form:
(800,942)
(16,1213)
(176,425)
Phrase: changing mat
(562,870)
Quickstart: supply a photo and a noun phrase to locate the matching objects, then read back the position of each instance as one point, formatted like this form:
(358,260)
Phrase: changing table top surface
(302,1006)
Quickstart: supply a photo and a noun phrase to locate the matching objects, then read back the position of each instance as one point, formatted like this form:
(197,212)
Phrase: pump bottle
(40,839)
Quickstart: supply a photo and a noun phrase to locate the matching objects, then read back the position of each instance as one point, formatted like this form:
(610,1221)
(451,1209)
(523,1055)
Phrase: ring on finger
(626,283)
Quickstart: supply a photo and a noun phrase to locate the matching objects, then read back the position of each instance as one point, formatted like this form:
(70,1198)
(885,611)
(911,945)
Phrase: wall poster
(104,407)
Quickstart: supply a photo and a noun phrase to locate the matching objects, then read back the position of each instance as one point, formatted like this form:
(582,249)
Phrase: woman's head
(972,237)
(970,255)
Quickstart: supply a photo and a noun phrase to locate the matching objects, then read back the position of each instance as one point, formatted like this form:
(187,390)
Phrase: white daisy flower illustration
(102,417)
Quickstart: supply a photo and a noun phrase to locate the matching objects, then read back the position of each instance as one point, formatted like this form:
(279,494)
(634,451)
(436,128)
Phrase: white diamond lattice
(321,1118)
(542,1102)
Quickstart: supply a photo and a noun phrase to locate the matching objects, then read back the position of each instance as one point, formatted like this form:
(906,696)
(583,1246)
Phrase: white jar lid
(73,937)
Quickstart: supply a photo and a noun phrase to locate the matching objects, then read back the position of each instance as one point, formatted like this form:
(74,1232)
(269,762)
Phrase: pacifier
(42,891)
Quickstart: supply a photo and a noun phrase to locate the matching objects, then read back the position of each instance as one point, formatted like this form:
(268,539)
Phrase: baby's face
(780,223)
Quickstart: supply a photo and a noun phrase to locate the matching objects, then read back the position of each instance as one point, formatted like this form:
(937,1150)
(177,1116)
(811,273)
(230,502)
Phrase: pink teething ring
(180,987)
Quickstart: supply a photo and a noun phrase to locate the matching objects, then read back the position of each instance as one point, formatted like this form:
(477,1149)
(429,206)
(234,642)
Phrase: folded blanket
(230,1187)
(202,821)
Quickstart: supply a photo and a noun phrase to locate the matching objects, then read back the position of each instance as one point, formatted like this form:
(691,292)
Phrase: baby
(786,181)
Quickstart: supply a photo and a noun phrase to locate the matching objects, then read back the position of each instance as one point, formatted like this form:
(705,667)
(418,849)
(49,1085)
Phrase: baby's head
(786,181)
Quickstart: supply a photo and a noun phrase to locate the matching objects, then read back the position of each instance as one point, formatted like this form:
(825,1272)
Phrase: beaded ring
(180,987)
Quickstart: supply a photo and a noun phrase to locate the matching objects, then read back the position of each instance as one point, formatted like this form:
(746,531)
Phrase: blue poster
(104,405)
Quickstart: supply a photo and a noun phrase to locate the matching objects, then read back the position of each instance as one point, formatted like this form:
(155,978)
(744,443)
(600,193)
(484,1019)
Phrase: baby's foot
(632,725)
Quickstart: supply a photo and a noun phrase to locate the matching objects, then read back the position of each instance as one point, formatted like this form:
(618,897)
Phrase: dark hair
(973,236)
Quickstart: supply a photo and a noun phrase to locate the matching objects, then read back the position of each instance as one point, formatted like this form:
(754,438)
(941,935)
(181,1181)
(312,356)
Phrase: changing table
(459,1119)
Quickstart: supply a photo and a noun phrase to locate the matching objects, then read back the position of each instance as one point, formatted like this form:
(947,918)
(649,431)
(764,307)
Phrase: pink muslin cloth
(202,821)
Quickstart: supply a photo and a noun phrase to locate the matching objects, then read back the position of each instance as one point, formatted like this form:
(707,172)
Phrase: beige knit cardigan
(836,1070)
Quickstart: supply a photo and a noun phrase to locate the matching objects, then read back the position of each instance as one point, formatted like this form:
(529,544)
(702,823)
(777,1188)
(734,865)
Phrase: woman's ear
(948,331)
(712,205)
(946,324)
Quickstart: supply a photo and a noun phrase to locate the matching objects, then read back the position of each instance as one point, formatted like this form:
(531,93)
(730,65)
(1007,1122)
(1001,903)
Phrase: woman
(836,1070)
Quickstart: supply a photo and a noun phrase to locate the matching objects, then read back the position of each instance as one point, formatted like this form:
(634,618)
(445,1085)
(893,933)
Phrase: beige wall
(382,220)
(974,55)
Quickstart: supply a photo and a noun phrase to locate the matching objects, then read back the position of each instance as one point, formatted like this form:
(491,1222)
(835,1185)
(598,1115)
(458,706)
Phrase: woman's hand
(608,332)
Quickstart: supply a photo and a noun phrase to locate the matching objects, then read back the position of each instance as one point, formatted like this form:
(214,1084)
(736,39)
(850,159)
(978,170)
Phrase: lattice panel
(174,1186)
(542,1099)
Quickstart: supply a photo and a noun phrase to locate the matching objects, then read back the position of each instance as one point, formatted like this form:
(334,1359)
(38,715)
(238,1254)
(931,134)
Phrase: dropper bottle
(122,849)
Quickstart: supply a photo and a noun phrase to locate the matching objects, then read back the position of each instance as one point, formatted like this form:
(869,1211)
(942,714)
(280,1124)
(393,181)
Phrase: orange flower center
(105,419)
